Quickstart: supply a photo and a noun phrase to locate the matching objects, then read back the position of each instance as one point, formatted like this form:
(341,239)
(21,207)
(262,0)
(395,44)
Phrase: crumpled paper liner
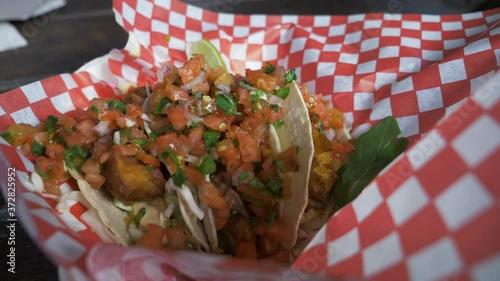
(415,221)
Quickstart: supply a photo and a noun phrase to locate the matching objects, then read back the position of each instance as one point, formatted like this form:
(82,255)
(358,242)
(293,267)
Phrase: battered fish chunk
(323,174)
(129,180)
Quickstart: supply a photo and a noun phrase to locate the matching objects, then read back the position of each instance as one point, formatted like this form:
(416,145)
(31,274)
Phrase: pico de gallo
(197,126)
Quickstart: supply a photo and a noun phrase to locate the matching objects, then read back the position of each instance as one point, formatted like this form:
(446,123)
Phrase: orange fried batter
(323,174)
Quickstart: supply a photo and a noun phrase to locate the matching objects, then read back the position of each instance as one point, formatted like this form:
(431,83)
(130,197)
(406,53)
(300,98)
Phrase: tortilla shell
(296,130)
(111,216)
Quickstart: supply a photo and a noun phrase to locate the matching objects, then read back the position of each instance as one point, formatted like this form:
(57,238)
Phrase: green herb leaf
(226,104)
(179,177)
(275,107)
(6,135)
(243,175)
(275,186)
(278,123)
(140,142)
(375,149)
(270,219)
(161,105)
(50,124)
(195,124)
(282,92)
(154,135)
(116,104)
(70,130)
(207,165)
(94,109)
(37,148)
(256,95)
(279,164)
(269,68)
(75,157)
(211,138)
(255,182)
(42,173)
(290,75)
(138,217)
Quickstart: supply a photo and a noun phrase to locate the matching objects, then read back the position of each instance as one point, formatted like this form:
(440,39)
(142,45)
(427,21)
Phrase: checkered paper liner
(433,214)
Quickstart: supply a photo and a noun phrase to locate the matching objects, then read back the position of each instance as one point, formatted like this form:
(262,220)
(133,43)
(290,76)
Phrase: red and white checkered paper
(432,215)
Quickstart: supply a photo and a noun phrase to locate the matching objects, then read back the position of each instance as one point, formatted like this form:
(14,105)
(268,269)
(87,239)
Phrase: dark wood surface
(65,39)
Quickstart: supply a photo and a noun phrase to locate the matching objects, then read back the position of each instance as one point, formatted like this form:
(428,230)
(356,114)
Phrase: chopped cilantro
(116,104)
(270,219)
(94,109)
(207,165)
(279,164)
(278,123)
(226,103)
(211,138)
(140,142)
(290,75)
(42,173)
(275,107)
(243,175)
(255,182)
(269,68)
(37,148)
(161,105)
(282,92)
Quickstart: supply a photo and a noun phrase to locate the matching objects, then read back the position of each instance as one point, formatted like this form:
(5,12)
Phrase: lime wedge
(204,47)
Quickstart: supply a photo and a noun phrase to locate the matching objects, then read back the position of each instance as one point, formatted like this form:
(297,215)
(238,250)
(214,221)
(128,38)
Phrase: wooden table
(65,39)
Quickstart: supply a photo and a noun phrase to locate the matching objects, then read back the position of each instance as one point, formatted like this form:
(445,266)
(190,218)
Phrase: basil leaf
(207,165)
(282,92)
(116,104)
(211,138)
(375,149)
(290,75)
(226,104)
(37,148)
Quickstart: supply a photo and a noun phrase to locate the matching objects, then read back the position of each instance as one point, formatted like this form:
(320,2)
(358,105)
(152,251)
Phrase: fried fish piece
(129,180)
(323,173)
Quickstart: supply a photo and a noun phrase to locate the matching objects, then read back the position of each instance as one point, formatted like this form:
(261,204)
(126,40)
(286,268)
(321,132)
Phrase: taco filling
(203,160)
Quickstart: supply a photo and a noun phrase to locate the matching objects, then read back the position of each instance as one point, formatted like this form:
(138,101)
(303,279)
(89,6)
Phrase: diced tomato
(175,93)
(134,110)
(91,166)
(51,186)
(281,256)
(148,159)
(153,239)
(177,117)
(66,121)
(54,169)
(272,115)
(255,125)
(193,175)
(228,151)
(183,145)
(215,73)
(110,115)
(166,140)
(176,237)
(196,136)
(336,118)
(137,134)
(192,68)
(126,149)
(246,250)
(81,115)
(255,193)
(280,231)
(214,122)
(243,98)
(203,88)
(212,196)
(290,160)
(249,148)
(104,157)
(77,138)
(54,151)
(100,104)
(342,147)
(123,120)
(96,181)
(41,137)
(266,247)
(259,211)
(261,80)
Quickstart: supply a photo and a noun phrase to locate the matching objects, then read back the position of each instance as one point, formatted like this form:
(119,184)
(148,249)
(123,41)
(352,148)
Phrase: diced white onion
(186,194)
(191,158)
(129,122)
(102,128)
(330,134)
(116,138)
(153,151)
(145,117)
(274,99)
(224,87)
(145,104)
(37,182)
(169,210)
(160,74)
(190,116)
(197,80)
